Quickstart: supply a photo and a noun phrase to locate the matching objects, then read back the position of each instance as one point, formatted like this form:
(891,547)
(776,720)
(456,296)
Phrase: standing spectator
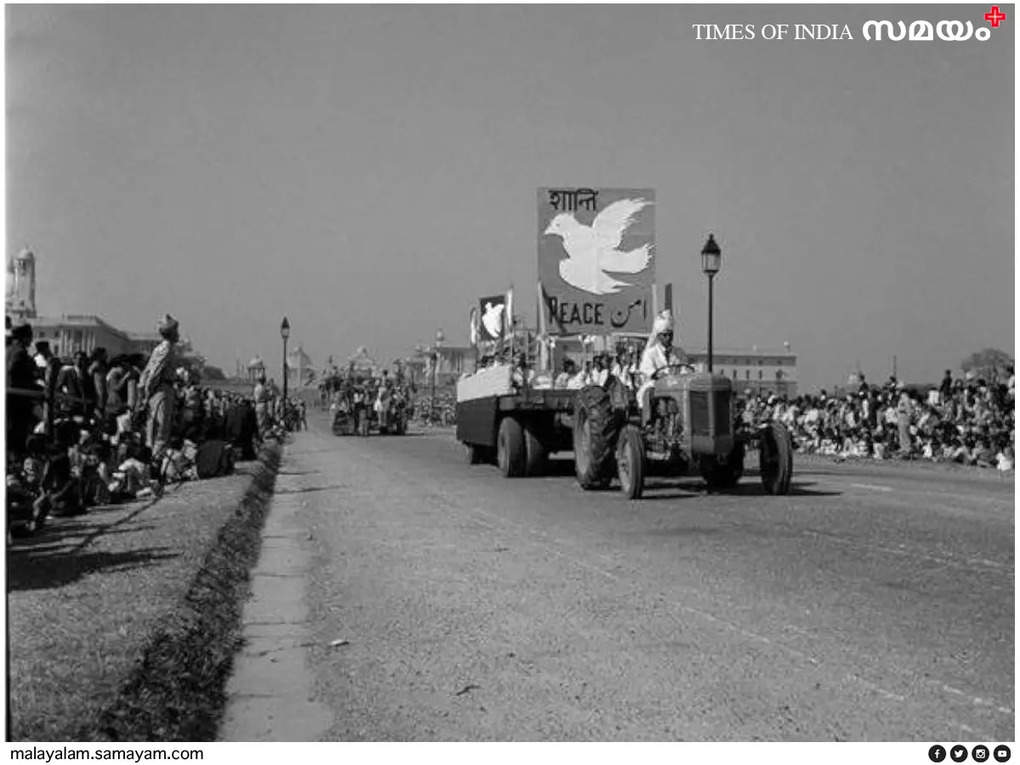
(261,396)
(50,372)
(97,372)
(71,384)
(116,386)
(946,387)
(157,389)
(21,373)
(192,411)
(904,411)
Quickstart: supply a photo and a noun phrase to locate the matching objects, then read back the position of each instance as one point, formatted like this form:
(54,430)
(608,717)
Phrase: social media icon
(1001,753)
(937,753)
(958,753)
(979,753)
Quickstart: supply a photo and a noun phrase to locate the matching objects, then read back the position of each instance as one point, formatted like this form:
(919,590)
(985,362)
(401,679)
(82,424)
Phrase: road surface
(420,598)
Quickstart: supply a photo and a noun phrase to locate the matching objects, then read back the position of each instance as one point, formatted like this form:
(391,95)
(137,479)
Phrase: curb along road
(269,696)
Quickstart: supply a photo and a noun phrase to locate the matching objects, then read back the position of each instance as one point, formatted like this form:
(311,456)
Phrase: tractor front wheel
(776,458)
(630,461)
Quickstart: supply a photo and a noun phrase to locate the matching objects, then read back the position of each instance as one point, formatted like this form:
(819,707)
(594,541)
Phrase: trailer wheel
(776,459)
(510,454)
(630,461)
(724,473)
(595,430)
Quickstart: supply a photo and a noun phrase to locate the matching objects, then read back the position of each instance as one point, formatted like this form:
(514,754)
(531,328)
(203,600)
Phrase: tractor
(685,425)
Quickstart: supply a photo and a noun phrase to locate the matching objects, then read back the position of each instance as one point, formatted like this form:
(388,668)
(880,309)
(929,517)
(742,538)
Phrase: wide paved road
(873,603)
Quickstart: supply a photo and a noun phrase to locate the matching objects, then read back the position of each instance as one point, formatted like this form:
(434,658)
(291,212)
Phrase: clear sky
(370,171)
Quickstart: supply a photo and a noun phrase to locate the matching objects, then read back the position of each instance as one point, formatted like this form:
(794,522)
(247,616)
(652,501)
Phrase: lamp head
(711,257)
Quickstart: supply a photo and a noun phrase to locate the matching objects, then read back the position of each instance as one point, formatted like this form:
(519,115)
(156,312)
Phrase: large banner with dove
(596,259)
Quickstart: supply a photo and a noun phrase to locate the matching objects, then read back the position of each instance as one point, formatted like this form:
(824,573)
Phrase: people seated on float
(563,378)
(624,369)
(579,379)
(522,374)
(599,374)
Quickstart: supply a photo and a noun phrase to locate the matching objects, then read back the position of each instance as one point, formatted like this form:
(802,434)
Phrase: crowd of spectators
(91,430)
(965,421)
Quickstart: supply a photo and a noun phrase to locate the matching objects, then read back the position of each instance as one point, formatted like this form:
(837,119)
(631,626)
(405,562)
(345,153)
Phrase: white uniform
(654,358)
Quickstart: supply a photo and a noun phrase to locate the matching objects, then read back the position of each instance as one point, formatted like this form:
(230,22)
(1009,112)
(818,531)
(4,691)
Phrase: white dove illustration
(492,319)
(592,250)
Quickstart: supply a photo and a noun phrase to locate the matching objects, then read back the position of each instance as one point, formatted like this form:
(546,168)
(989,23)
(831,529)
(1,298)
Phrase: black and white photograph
(510,373)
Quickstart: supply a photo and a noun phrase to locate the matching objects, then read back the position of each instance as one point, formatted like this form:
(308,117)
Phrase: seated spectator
(1004,459)
(878,447)
(60,490)
(982,455)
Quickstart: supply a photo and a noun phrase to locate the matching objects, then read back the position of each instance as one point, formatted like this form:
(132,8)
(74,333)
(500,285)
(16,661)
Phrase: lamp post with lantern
(436,355)
(711,259)
(284,333)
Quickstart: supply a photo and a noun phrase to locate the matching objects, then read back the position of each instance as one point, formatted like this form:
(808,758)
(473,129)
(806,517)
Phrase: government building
(67,333)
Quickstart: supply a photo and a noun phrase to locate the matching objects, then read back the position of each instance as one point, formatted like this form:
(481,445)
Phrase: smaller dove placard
(596,259)
(492,312)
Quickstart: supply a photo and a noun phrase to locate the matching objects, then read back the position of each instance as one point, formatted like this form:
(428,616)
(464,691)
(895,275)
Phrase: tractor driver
(659,352)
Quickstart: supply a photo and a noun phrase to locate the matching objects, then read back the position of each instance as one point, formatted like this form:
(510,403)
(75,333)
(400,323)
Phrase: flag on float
(473,327)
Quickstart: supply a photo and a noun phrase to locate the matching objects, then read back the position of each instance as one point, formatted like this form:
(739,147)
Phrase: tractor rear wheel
(510,454)
(630,461)
(595,431)
(776,458)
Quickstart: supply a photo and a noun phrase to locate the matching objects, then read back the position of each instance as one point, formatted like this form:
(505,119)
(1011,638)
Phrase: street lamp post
(436,355)
(711,257)
(285,333)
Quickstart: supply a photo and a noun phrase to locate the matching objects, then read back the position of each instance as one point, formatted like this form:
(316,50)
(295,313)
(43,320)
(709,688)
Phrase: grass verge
(123,623)
(177,692)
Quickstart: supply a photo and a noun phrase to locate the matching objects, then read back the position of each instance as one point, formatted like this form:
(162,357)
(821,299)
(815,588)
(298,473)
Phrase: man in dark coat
(241,428)
(22,374)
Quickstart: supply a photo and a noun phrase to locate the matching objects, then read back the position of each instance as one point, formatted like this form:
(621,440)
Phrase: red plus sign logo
(995,17)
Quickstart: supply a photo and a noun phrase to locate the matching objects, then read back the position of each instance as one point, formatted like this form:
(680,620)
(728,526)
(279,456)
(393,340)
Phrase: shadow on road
(307,489)
(754,488)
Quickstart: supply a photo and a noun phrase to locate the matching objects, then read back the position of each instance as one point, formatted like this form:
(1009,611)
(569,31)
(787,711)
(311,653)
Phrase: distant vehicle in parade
(359,409)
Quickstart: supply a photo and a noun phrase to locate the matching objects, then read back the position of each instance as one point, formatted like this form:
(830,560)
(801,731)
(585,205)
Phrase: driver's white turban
(663,323)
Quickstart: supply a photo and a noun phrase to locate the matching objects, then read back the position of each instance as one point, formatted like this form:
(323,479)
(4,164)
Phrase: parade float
(597,288)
